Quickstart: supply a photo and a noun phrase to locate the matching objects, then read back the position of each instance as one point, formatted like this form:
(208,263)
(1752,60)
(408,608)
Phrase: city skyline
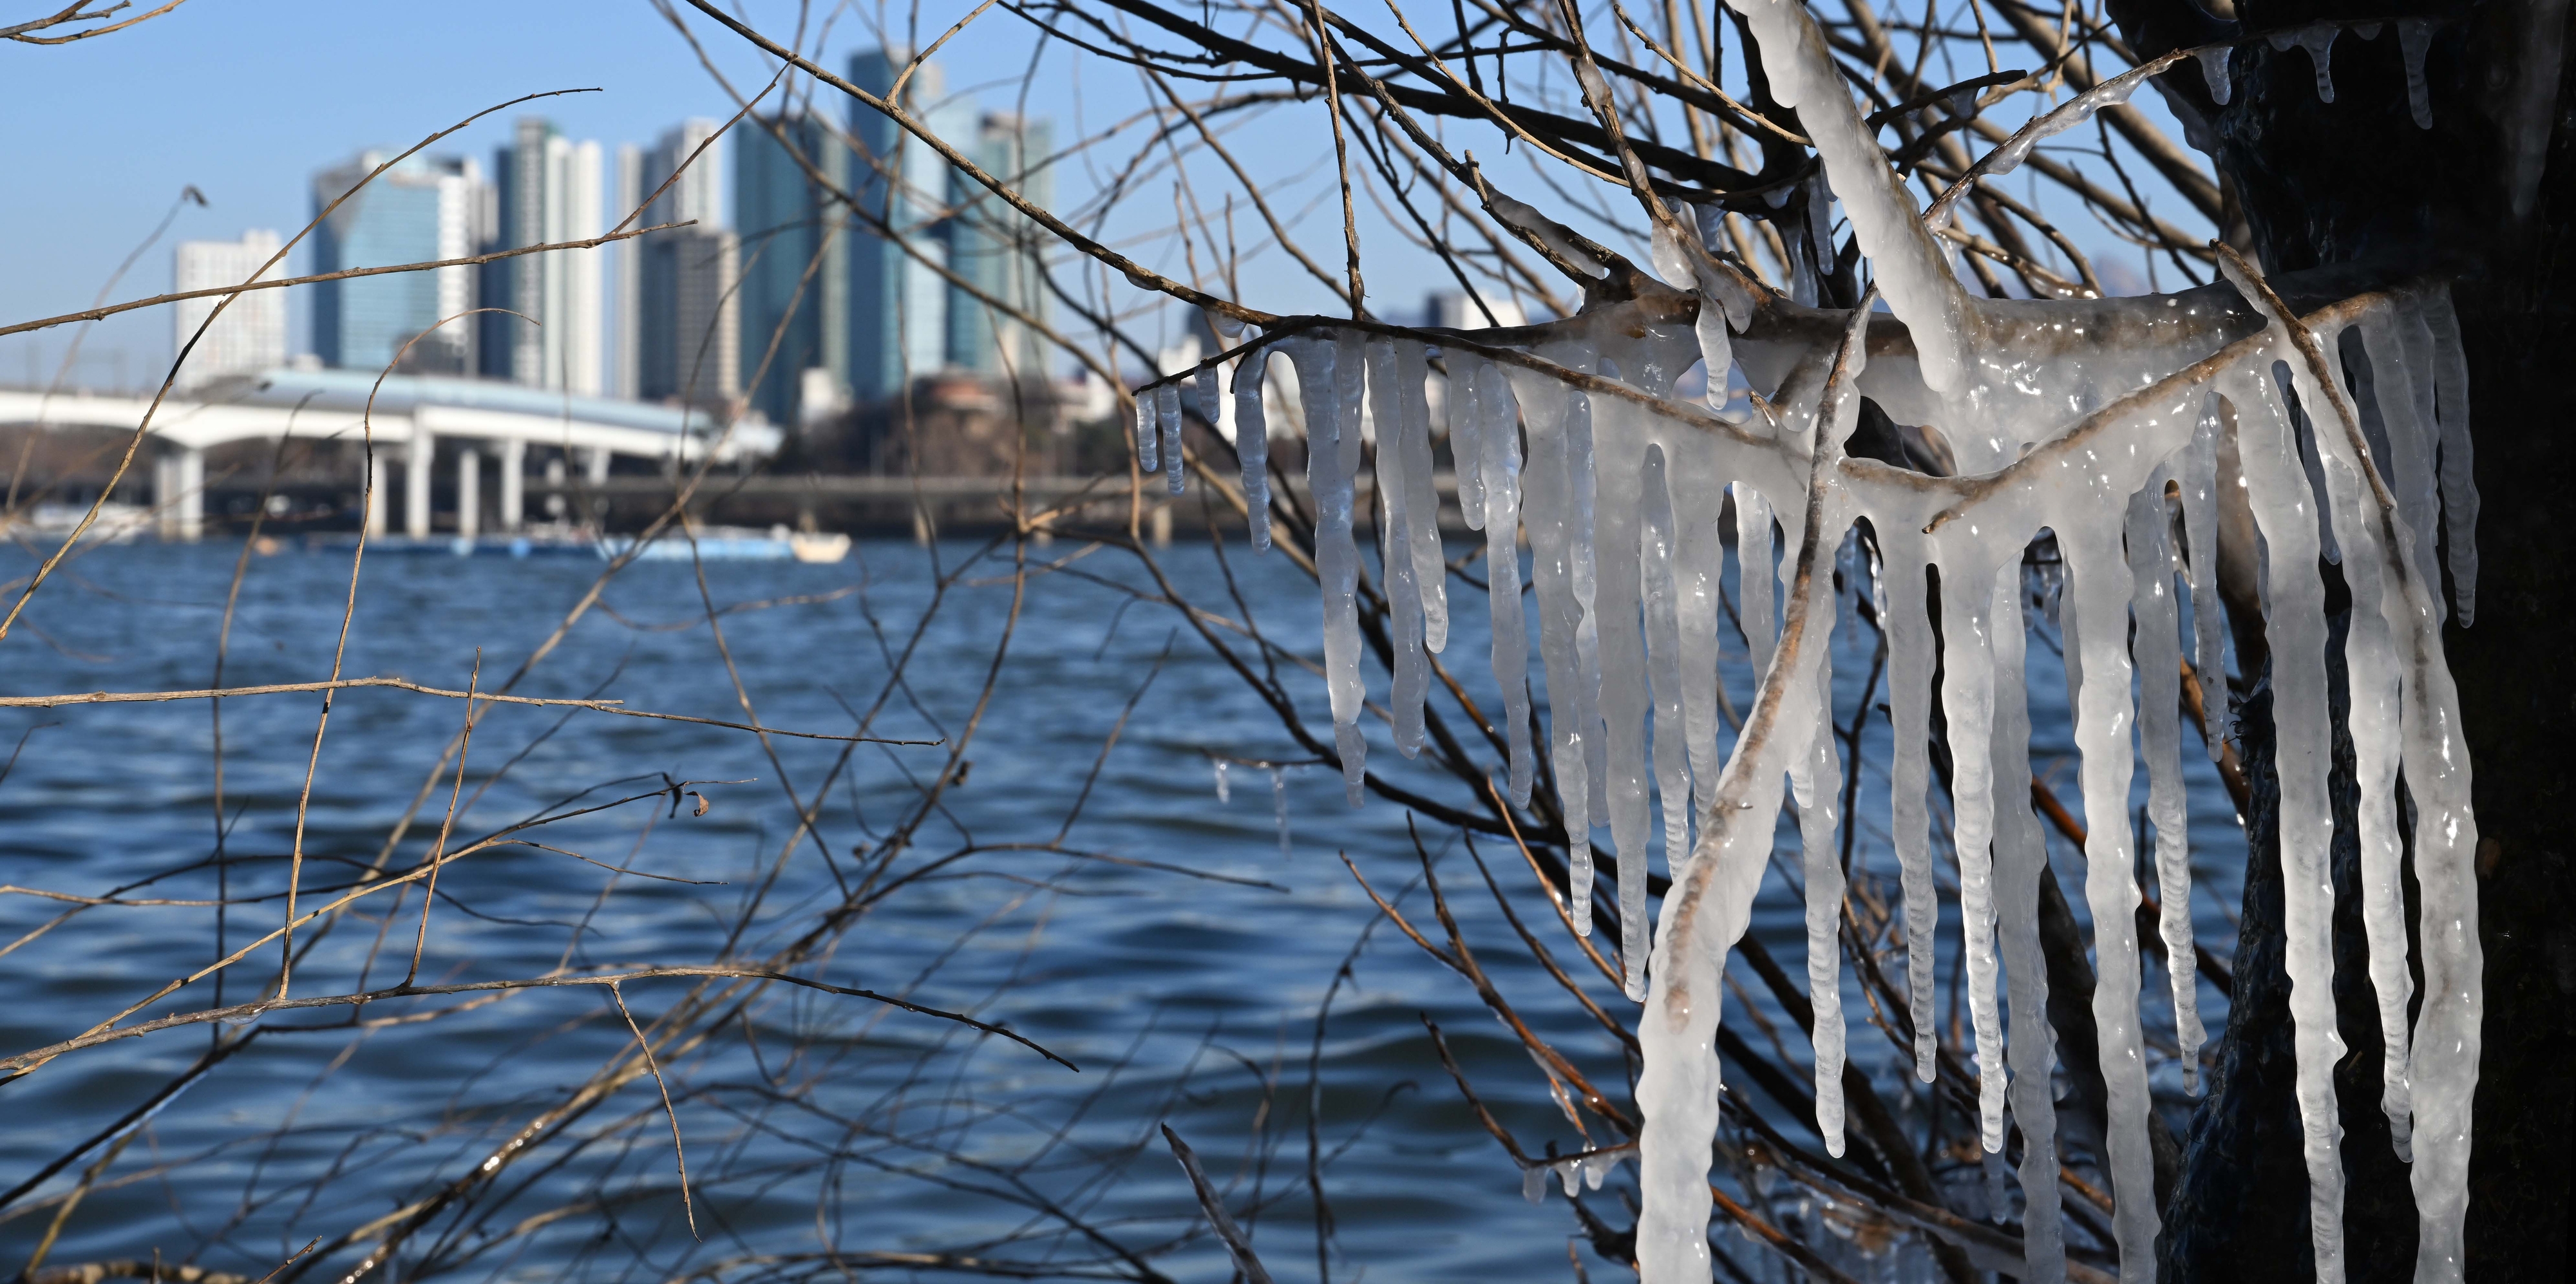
(685,314)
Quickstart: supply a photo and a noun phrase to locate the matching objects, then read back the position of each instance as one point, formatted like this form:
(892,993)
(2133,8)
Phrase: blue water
(1133,923)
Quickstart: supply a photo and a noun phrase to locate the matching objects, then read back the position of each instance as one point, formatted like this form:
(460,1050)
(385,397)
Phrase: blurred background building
(424,208)
(249,336)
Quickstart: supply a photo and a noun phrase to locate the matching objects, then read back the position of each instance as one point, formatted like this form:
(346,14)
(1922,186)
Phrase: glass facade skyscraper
(889,310)
(794,258)
(422,209)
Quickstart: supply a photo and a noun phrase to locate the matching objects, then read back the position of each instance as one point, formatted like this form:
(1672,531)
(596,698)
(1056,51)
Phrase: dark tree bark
(2356,184)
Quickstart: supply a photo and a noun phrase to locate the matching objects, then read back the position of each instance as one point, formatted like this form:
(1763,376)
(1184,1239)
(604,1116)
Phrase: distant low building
(250,335)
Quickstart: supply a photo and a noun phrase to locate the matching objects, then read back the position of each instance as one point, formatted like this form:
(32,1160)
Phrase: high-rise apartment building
(689,338)
(794,309)
(424,208)
(683,174)
(899,297)
(995,249)
(249,336)
(909,285)
(685,313)
(548,189)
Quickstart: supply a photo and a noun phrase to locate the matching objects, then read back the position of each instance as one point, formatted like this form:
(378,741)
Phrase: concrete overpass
(413,415)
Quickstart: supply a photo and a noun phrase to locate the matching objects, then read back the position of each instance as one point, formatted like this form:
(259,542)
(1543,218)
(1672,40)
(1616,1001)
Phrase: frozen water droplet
(2214,69)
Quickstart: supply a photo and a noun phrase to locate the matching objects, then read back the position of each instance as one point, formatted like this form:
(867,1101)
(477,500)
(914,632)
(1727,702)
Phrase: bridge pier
(469,493)
(513,452)
(179,493)
(380,493)
(424,453)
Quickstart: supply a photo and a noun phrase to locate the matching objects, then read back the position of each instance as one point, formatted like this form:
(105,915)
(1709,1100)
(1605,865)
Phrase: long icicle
(1907,620)
(1500,439)
(1968,694)
(2294,624)
(2021,855)
(1619,648)
(2159,648)
(2099,588)
(1545,408)
(1816,782)
(1664,659)
(1396,515)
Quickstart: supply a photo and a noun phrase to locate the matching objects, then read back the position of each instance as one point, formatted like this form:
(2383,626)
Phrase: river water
(1175,945)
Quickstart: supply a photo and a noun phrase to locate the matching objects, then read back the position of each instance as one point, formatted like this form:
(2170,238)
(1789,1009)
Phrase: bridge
(414,415)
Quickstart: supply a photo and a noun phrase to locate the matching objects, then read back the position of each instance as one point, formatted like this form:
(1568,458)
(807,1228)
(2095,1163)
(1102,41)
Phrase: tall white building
(250,336)
(549,190)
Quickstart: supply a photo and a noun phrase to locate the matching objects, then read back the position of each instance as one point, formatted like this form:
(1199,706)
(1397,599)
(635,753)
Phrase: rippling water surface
(1176,946)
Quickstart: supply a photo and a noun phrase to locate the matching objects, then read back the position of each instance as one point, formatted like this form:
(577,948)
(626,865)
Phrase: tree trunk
(2356,183)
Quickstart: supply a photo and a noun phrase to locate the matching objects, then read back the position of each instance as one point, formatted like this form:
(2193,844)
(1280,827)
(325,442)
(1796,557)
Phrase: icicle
(2021,855)
(1466,452)
(1252,445)
(1905,614)
(1657,546)
(1583,574)
(1395,497)
(1167,409)
(2294,623)
(1699,582)
(1223,794)
(1329,381)
(1499,437)
(2372,676)
(1619,470)
(2318,39)
(2414,37)
(2409,471)
(1227,327)
(2214,69)
(1148,457)
(1211,402)
(1546,406)
(1818,787)
(1820,220)
(1279,805)
(2099,608)
(1422,500)
(2459,480)
(2200,529)
(1754,575)
(2159,648)
(1968,694)
(1575,1173)
(1803,289)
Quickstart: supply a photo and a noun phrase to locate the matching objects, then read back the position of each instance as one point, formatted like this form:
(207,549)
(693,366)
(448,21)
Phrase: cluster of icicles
(2097,420)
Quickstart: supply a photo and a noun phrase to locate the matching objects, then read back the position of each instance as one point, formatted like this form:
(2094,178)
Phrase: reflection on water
(1146,918)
